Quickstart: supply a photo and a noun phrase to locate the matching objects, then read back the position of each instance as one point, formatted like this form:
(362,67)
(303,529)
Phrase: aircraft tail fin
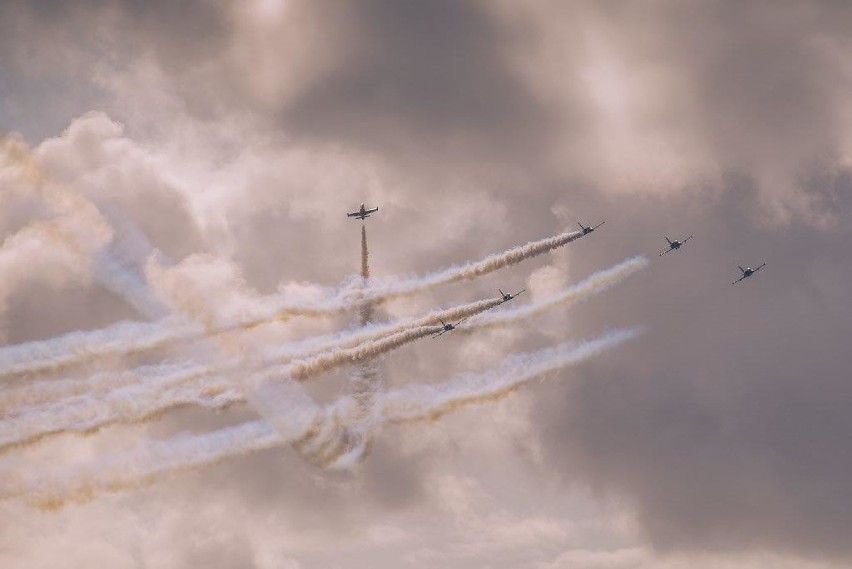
(741,269)
(669,240)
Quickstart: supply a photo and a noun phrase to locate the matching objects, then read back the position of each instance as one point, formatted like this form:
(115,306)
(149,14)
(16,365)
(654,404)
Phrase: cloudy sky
(234,136)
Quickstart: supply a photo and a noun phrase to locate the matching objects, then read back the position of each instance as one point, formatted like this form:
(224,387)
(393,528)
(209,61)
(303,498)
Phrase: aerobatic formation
(66,386)
(49,388)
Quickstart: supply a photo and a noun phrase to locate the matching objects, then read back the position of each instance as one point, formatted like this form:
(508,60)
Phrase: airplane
(508,297)
(448,327)
(362,213)
(588,228)
(674,245)
(747,272)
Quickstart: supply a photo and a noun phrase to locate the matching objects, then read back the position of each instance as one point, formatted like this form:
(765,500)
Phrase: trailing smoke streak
(131,403)
(127,283)
(413,403)
(349,449)
(116,277)
(324,447)
(365,255)
(118,265)
(154,396)
(145,466)
(591,285)
(31,397)
(140,401)
(45,392)
(389,289)
(416,403)
(365,382)
(79,347)
(427,402)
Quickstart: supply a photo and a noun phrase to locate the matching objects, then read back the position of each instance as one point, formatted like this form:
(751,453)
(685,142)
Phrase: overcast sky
(236,135)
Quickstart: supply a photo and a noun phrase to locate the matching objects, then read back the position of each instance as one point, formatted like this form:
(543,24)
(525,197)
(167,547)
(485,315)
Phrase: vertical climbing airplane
(362,213)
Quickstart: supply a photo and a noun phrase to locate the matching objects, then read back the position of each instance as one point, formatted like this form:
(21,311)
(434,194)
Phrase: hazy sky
(235,135)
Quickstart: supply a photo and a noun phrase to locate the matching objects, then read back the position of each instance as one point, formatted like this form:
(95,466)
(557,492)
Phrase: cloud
(243,131)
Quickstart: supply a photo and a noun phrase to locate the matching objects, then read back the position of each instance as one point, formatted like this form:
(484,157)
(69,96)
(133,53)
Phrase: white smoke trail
(365,381)
(415,403)
(196,385)
(121,279)
(391,288)
(349,451)
(424,402)
(589,286)
(29,397)
(293,424)
(152,462)
(365,255)
(49,391)
(118,266)
(141,400)
(77,347)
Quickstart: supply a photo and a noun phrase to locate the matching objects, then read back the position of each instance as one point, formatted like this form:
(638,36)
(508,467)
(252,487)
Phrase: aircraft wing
(669,250)
(369,211)
(738,280)
(598,225)
(354,214)
(685,240)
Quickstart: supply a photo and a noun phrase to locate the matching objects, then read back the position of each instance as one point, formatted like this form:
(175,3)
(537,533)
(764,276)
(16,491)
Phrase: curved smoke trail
(298,422)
